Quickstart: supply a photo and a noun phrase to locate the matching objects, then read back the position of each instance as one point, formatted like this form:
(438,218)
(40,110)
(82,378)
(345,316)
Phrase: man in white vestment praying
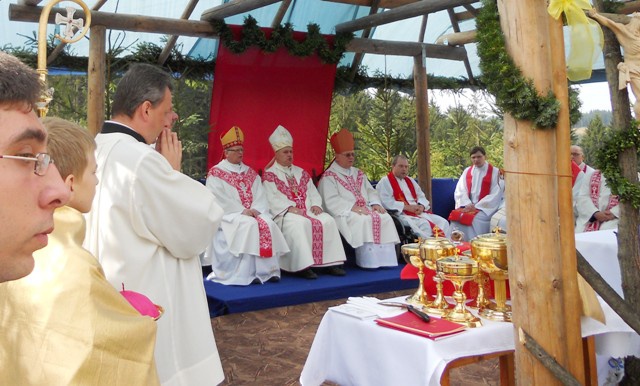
(596,208)
(354,203)
(248,244)
(400,193)
(296,205)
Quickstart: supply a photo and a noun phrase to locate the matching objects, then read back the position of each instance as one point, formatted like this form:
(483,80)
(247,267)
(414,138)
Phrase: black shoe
(274,279)
(256,281)
(335,270)
(307,274)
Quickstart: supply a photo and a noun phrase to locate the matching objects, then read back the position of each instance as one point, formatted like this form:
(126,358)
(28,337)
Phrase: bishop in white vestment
(354,203)
(296,205)
(248,244)
(402,194)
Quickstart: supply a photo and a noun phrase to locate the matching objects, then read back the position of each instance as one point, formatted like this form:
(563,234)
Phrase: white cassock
(147,226)
(372,235)
(591,191)
(586,168)
(420,225)
(487,206)
(245,248)
(314,240)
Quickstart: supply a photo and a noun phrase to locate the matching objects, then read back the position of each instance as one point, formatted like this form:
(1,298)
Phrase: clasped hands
(604,216)
(416,209)
(467,208)
(170,147)
(251,212)
(364,210)
(314,209)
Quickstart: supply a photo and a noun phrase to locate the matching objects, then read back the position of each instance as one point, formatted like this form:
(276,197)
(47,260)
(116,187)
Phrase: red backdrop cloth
(470,289)
(258,91)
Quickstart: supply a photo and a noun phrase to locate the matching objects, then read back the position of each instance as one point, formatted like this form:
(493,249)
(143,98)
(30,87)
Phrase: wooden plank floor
(270,347)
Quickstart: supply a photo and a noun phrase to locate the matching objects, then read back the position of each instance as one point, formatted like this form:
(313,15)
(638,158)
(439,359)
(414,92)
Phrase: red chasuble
(398,195)
(466,218)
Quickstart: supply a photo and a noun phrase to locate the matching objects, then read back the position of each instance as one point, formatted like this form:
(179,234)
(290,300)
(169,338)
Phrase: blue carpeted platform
(292,290)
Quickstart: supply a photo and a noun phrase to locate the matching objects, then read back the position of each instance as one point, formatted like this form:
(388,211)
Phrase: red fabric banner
(258,91)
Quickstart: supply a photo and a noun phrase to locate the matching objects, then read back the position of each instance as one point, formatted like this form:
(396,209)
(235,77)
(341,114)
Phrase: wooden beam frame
(279,16)
(234,7)
(385,47)
(122,21)
(357,58)
(171,42)
(400,13)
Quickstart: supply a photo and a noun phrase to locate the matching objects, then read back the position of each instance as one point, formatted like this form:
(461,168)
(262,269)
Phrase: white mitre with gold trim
(280,138)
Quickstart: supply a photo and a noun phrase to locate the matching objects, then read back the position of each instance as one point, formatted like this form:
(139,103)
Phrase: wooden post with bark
(96,79)
(422,125)
(537,176)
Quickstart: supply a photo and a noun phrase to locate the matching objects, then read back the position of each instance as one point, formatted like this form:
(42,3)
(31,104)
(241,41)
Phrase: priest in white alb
(400,193)
(248,244)
(296,205)
(477,196)
(354,203)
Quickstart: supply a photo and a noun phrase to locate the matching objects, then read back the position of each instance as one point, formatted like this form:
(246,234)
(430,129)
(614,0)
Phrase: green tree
(593,138)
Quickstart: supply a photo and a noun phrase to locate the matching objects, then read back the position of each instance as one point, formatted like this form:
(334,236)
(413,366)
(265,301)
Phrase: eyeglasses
(42,160)
(236,150)
(349,155)
(576,153)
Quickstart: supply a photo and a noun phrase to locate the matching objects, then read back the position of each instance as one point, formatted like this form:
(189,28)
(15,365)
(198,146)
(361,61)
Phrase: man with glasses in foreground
(30,186)
(349,197)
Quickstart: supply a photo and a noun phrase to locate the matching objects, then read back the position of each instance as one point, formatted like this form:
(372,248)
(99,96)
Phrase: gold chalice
(490,251)
(411,254)
(459,270)
(432,249)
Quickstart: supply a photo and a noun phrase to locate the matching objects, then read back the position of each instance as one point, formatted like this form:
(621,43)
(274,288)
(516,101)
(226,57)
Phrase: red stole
(466,218)
(575,170)
(398,195)
(596,178)
(297,192)
(243,183)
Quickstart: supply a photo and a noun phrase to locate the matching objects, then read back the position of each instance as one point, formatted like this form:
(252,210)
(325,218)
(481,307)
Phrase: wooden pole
(543,281)
(96,79)
(422,125)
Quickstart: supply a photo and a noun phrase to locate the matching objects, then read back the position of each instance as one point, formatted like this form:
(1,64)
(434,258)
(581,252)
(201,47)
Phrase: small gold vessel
(490,251)
(411,254)
(459,270)
(432,249)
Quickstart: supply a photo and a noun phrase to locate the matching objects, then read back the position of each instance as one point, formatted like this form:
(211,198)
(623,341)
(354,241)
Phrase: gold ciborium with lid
(411,254)
(490,251)
(432,249)
(459,269)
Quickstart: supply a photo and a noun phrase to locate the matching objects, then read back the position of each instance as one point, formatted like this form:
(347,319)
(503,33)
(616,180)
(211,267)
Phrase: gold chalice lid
(491,244)
(458,265)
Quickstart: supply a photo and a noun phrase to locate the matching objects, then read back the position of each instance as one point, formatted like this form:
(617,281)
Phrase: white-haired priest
(246,248)
(296,206)
(354,203)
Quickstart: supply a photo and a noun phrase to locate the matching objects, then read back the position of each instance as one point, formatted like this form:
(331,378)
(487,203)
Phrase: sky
(594,96)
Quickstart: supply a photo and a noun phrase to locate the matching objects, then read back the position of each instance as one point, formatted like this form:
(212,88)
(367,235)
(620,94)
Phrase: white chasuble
(340,190)
(147,226)
(244,248)
(314,240)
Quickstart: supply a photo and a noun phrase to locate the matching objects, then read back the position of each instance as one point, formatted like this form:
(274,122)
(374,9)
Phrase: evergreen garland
(282,36)
(607,158)
(514,93)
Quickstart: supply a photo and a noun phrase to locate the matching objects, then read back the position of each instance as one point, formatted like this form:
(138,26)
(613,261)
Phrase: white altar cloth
(350,351)
(600,249)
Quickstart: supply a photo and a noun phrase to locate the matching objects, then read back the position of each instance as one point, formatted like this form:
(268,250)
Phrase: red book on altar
(436,329)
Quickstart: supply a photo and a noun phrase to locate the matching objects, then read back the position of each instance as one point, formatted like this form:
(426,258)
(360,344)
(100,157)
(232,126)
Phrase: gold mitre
(233,137)
(342,141)
(280,138)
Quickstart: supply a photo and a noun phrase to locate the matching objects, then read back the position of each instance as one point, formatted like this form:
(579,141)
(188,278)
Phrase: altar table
(350,351)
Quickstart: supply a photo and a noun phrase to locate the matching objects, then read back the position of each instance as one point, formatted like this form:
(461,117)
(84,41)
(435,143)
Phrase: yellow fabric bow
(586,40)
